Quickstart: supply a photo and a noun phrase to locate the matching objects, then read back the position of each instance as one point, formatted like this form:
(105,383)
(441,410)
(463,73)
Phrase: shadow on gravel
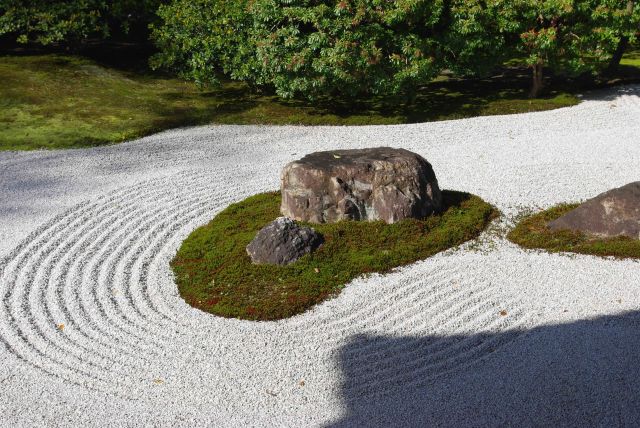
(613,93)
(584,373)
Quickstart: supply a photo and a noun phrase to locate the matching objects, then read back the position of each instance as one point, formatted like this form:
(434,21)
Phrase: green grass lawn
(533,232)
(57,101)
(215,274)
(60,101)
(631,59)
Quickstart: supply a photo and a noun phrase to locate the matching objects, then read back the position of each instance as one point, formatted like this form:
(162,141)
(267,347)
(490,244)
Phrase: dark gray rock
(370,184)
(282,242)
(613,213)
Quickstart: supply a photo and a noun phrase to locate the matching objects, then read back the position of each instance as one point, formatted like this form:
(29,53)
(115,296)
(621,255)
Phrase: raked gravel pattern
(94,333)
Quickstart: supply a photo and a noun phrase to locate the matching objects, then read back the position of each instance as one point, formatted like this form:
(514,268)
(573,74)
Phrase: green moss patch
(533,232)
(59,101)
(215,274)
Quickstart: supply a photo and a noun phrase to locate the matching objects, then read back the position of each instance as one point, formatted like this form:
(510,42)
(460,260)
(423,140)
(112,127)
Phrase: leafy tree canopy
(348,47)
(312,48)
(200,39)
(70,22)
(571,36)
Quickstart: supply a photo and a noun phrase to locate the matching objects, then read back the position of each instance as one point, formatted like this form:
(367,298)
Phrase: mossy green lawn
(533,232)
(631,59)
(215,274)
(62,101)
(53,101)
(57,101)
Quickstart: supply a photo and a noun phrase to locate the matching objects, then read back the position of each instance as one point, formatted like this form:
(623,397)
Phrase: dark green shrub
(304,47)
(72,22)
(343,47)
(201,39)
(570,36)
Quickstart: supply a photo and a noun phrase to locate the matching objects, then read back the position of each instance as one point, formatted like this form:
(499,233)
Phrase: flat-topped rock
(613,213)
(369,184)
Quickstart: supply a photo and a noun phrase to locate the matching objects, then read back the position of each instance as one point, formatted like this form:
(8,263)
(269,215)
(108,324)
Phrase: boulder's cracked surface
(380,183)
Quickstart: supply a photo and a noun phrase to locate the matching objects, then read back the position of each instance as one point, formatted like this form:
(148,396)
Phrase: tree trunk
(622,45)
(537,83)
(617,55)
(410,97)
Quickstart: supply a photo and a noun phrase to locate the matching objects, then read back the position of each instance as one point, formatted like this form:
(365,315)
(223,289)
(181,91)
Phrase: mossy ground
(60,101)
(50,101)
(631,59)
(533,232)
(215,274)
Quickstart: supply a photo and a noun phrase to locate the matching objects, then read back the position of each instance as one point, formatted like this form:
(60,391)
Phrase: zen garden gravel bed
(92,327)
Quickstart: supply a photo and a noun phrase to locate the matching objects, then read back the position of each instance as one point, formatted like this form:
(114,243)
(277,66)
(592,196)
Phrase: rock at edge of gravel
(610,214)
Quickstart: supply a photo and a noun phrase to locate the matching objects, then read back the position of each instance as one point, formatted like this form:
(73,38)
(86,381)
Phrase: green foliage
(346,48)
(303,47)
(215,274)
(572,36)
(70,22)
(533,232)
(343,48)
(479,36)
(201,38)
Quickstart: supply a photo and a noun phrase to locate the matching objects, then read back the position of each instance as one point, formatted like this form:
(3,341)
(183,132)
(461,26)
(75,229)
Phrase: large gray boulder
(613,213)
(370,184)
(282,242)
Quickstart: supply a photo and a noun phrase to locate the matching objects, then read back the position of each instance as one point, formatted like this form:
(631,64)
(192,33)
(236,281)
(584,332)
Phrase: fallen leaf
(301,383)
(158,381)
(60,327)
(271,393)
(503,313)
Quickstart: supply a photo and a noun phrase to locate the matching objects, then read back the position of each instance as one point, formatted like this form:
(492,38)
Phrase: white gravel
(86,237)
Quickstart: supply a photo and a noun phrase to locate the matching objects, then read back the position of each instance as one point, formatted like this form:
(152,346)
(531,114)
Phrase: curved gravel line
(91,320)
(92,277)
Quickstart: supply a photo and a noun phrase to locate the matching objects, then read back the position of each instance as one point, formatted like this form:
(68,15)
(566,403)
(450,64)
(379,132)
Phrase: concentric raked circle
(89,298)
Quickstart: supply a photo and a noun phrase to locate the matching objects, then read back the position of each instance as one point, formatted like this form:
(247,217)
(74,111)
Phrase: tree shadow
(128,56)
(450,97)
(614,93)
(173,112)
(582,373)
(453,198)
